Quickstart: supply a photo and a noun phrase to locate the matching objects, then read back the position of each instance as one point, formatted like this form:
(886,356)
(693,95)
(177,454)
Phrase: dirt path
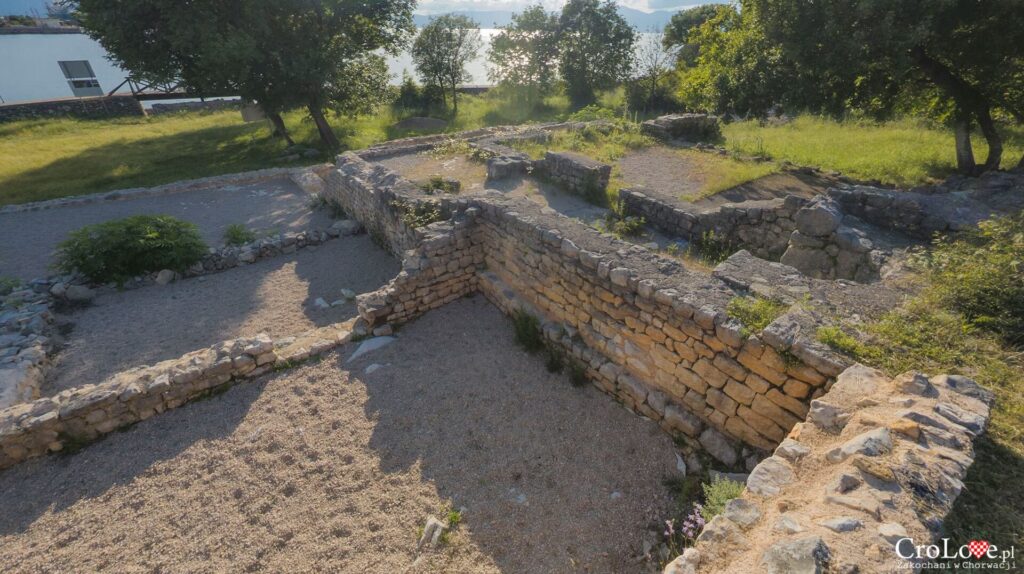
(671,175)
(27,239)
(275,296)
(318,469)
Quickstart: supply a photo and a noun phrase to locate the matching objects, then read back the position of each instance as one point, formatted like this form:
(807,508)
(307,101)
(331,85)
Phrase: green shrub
(755,313)
(577,373)
(417,215)
(622,226)
(716,494)
(237,234)
(554,360)
(118,250)
(527,331)
(980,273)
(711,248)
(8,285)
(437,183)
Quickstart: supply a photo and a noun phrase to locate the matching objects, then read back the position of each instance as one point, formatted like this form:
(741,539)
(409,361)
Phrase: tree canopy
(677,31)
(525,53)
(595,48)
(963,57)
(287,53)
(442,50)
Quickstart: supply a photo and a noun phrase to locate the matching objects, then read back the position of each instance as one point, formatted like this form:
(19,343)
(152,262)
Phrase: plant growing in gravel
(527,331)
(716,493)
(554,360)
(623,226)
(237,234)
(755,313)
(8,285)
(118,250)
(437,183)
(577,373)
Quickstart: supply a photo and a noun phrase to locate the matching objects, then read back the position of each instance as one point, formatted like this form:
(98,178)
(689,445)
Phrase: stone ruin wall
(673,356)
(87,108)
(575,173)
(879,462)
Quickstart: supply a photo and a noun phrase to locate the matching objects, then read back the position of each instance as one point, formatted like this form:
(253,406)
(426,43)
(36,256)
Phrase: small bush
(577,373)
(8,285)
(554,360)
(755,313)
(527,331)
(437,183)
(237,234)
(711,248)
(419,214)
(716,494)
(118,250)
(623,226)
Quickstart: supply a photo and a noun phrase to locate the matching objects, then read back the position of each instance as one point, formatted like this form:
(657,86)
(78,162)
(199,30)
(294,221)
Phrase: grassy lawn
(903,153)
(46,159)
(721,173)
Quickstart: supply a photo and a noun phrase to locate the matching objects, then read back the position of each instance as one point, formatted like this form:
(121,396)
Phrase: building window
(81,79)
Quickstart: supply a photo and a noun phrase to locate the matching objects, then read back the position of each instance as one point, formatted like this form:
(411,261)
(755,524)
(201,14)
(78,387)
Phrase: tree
(595,48)
(677,31)
(737,70)
(653,64)
(524,54)
(872,52)
(313,53)
(442,50)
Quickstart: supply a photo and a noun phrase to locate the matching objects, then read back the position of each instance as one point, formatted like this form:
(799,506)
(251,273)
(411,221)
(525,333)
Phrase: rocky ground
(333,466)
(27,239)
(277,296)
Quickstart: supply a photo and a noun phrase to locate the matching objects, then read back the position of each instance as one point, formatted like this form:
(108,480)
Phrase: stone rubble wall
(689,127)
(878,462)
(86,108)
(25,344)
(669,354)
(575,173)
(83,414)
(914,214)
(762,227)
(827,244)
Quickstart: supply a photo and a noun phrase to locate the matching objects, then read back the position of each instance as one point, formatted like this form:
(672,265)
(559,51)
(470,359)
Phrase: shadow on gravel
(56,482)
(553,477)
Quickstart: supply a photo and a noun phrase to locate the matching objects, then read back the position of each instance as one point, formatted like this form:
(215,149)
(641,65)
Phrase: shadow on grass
(991,505)
(148,162)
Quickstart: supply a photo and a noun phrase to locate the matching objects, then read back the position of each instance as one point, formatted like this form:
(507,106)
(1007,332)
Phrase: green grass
(905,153)
(47,159)
(925,336)
(720,173)
(755,313)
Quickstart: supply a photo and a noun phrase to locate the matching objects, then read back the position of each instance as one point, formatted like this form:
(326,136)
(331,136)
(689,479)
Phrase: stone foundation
(650,333)
(878,462)
(86,108)
(575,173)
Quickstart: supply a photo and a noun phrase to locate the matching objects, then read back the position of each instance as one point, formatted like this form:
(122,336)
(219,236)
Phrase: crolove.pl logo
(948,555)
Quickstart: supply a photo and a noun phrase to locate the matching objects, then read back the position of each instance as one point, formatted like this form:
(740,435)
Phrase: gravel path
(275,296)
(27,239)
(320,470)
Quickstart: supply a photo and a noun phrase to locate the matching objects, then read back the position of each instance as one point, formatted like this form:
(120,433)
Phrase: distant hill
(642,21)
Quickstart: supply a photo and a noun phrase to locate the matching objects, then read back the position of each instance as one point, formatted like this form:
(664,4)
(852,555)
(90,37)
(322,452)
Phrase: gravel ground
(28,239)
(276,296)
(320,469)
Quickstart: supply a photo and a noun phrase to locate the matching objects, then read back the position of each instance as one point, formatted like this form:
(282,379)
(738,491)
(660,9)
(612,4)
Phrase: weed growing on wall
(755,313)
(527,331)
(237,234)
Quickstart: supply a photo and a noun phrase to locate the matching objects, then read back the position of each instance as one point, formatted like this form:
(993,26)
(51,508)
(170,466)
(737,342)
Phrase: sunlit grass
(904,153)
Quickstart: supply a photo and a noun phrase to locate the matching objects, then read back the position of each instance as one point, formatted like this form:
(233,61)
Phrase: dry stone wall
(576,173)
(25,343)
(762,227)
(87,108)
(878,463)
(654,336)
(83,414)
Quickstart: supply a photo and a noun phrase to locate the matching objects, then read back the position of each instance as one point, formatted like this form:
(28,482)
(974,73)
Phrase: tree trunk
(455,101)
(962,133)
(323,128)
(995,143)
(280,131)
